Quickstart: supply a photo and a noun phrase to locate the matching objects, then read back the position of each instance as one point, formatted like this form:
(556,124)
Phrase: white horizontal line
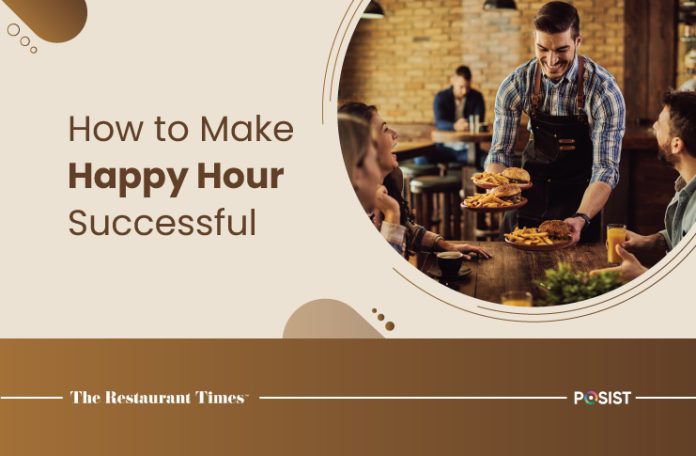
(677,398)
(408,398)
(30,398)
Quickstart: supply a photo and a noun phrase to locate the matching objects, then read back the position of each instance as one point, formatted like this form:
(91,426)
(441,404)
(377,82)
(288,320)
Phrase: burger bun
(557,229)
(516,175)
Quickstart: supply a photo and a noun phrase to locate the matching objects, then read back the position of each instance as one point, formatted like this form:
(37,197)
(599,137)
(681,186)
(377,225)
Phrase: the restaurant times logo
(593,397)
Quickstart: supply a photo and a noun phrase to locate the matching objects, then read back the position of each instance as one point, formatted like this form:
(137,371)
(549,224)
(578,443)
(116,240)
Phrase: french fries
(486,178)
(529,236)
(483,200)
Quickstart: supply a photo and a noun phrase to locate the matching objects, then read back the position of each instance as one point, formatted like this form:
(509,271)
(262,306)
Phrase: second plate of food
(494,206)
(504,197)
(488,186)
(511,175)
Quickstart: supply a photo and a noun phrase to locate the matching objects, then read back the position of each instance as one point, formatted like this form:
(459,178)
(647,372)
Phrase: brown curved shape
(328,319)
(56,21)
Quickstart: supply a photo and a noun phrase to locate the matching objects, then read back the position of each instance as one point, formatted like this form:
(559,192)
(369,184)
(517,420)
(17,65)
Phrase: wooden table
(514,269)
(405,150)
(442,136)
(470,139)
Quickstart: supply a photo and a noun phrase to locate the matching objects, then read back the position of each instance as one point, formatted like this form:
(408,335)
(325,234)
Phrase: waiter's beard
(663,153)
(566,64)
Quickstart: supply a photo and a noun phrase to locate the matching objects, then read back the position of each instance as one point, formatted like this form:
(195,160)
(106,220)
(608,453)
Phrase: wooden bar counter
(406,150)
(440,136)
(514,269)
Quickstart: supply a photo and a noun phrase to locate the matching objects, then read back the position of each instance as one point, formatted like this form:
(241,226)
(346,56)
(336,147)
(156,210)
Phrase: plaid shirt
(407,238)
(395,235)
(604,105)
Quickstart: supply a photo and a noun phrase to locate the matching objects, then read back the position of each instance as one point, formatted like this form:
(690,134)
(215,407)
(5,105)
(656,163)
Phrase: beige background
(134,61)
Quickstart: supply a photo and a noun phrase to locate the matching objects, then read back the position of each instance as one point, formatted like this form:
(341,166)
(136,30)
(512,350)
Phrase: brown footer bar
(347,397)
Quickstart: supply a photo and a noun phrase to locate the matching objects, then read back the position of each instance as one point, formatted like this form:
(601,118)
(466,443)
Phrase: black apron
(559,159)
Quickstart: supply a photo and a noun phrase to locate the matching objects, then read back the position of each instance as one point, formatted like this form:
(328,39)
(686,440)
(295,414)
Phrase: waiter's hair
(682,118)
(464,72)
(557,17)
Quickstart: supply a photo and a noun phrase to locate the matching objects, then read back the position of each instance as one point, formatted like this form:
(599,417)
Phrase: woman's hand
(466,249)
(387,206)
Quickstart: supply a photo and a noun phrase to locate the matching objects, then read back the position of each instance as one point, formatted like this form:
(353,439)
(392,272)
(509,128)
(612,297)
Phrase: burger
(557,230)
(516,175)
(508,192)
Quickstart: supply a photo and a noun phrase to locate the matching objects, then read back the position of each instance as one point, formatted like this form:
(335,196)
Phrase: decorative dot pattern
(389,326)
(13,30)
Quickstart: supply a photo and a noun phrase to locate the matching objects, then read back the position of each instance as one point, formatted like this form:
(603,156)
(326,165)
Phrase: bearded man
(675,130)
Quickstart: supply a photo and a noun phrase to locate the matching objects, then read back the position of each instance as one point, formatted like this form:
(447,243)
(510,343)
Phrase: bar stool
(445,191)
(411,171)
(489,225)
(464,172)
(455,168)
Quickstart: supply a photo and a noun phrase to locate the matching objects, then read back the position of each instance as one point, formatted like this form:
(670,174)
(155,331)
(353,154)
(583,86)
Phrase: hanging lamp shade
(490,5)
(373,11)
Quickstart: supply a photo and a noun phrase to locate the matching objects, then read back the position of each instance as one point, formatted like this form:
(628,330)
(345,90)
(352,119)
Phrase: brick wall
(401,61)
(684,48)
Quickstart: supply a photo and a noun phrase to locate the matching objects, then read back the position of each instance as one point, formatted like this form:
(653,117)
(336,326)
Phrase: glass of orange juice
(616,235)
(517,298)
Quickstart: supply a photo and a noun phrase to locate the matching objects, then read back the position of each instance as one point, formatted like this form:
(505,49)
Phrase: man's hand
(649,249)
(465,249)
(630,266)
(593,200)
(461,125)
(576,226)
(387,206)
(637,243)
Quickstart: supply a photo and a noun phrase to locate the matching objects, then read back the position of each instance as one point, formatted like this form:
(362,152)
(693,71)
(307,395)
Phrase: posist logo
(592,397)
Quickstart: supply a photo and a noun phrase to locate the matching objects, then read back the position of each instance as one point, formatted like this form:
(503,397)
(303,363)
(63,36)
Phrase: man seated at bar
(453,107)
(675,130)
(577,122)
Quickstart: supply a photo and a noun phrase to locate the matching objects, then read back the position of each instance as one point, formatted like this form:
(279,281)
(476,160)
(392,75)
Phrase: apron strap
(580,98)
(536,95)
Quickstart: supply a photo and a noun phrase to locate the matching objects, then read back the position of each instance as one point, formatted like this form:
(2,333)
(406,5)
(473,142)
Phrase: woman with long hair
(417,238)
(360,157)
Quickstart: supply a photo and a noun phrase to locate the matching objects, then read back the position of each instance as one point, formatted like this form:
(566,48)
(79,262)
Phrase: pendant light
(373,11)
(490,5)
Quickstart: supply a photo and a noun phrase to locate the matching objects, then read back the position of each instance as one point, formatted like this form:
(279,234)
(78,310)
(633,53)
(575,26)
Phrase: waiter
(577,122)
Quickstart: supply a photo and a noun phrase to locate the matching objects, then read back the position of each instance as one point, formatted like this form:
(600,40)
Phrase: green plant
(564,286)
